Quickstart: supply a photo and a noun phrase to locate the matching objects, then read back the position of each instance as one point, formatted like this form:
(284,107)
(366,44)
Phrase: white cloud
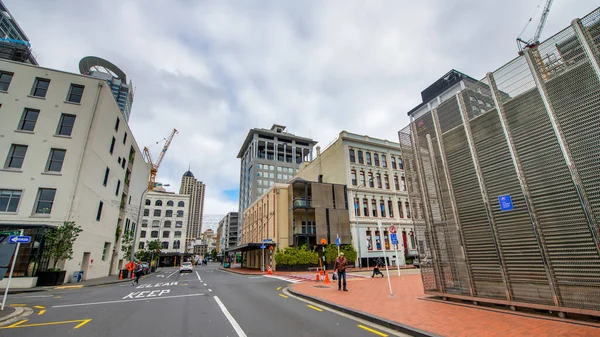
(214,69)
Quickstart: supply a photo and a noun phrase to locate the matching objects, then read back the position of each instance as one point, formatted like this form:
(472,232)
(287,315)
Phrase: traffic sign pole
(394,238)
(385,261)
(12,268)
(337,241)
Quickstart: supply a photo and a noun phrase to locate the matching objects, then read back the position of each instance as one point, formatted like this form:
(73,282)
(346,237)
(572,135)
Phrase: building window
(155,223)
(379,180)
(45,200)
(65,125)
(117,124)
(180,214)
(407,209)
(356,207)
(371,182)
(99,213)
(141,245)
(362,178)
(382,208)
(169,213)
(390,208)
(144,223)
(55,160)
(368,158)
(170,203)
(40,87)
(5,79)
(148,202)
(400,164)
(167,224)
(75,93)
(393,160)
(383,160)
(16,156)
(181,204)
(118,187)
(166,234)
(403,182)
(123,163)
(146,212)
(9,200)
(400,210)
(154,234)
(112,145)
(165,245)
(158,203)
(374,207)
(124,138)
(386,180)
(352,157)
(176,244)
(396,185)
(157,212)
(105,250)
(353,174)
(178,224)
(28,119)
(376,157)
(360,157)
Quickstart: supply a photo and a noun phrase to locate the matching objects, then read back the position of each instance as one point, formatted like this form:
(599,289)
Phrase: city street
(207,302)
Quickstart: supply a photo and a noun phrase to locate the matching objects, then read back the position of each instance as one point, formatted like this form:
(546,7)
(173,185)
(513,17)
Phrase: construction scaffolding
(505,180)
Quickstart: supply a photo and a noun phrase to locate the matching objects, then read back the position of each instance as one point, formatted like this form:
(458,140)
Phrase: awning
(251,246)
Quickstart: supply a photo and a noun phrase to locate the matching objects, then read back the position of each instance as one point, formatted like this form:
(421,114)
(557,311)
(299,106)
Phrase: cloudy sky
(215,69)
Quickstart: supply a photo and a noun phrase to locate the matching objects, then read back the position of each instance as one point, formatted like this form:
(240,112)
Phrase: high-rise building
(66,156)
(228,230)
(268,157)
(115,77)
(195,189)
(14,44)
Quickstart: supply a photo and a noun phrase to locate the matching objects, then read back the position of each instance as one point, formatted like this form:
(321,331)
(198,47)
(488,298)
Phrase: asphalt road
(207,302)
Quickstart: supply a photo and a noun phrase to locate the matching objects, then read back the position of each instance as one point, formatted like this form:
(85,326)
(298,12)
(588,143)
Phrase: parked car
(426,262)
(146,268)
(186,267)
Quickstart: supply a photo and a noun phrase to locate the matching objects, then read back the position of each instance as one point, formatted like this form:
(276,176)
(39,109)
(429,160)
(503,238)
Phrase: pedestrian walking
(139,270)
(376,270)
(340,266)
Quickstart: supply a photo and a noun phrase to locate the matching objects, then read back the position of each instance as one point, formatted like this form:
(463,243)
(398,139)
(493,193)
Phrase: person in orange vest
(340,266)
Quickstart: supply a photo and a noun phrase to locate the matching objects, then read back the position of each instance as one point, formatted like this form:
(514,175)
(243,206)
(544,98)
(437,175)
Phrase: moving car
(186,267)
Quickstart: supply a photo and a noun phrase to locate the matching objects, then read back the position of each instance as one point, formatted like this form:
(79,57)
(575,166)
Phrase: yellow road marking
(20,322)
(39,307)
(41,312)
(291,284)
(183,284)
(81,322)
(372,330)
(313,307)
(17,305)
(278,288)
(57,296)
(69,287)
(282,295)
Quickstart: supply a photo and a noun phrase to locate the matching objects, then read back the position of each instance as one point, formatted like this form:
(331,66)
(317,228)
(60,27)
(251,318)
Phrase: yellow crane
(154,166)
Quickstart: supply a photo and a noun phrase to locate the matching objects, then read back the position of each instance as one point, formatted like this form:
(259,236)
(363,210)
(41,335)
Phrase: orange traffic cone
(317,277)
(326,278)
(132,274)
(269,271)
(120,275)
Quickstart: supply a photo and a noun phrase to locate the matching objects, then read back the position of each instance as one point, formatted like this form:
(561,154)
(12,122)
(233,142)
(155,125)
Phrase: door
(85,264)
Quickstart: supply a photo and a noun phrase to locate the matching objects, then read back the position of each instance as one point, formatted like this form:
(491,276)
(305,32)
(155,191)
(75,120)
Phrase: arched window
(148,202)
(158,203)
(170,203)
(169,213)
(181,204)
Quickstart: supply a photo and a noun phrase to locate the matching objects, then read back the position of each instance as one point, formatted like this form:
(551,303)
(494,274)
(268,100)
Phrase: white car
(186,267)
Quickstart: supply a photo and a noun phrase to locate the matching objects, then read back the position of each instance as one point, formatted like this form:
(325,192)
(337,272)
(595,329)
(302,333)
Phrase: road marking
(81,322)
(313,307)
(282,295)
(255,277)
(17,305)
(69,287)
(278,288)
(123,301)
(41,312)
(230,318)
(372,330)
(39,307)
(36,296)
(147,293)
(157,285)
(57,296)
(198,277)
(210,290)
(18,323)
(183,284)
(205,285)
(172,273)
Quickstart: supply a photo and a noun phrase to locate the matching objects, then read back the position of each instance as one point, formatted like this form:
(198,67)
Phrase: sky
(215,69)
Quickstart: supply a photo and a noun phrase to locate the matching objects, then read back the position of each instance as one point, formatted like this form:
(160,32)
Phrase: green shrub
(293,256)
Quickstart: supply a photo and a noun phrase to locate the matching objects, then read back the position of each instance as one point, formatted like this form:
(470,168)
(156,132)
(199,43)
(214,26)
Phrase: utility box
(77,276)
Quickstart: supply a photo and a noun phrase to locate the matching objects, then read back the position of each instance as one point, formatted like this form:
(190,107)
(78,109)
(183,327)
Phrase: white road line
(210,290)
(172,273)
(198,277)
(235,324)
(123,301)
(205,285)
(34,296)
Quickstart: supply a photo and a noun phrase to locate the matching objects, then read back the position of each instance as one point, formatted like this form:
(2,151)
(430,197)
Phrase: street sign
(263,247)
(19,239)
(394,238)
(392,229)
(505,203)
(338,242)
(267,240)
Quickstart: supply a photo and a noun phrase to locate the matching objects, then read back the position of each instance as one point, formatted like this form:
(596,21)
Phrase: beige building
(373,171)
(68,155)
(195,189)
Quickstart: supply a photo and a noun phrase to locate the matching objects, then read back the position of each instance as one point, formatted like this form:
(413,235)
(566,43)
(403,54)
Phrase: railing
(302,203)
(305,230)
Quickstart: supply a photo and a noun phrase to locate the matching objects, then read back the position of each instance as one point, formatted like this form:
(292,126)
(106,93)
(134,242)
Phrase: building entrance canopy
(251,246)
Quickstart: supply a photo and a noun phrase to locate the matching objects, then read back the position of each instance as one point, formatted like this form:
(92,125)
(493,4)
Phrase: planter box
(51,278)
(295,267)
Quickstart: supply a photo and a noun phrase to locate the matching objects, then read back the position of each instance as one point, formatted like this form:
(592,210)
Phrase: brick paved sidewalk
(408,308)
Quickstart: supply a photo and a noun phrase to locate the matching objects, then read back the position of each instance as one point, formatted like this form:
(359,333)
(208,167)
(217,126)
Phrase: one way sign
(19,239)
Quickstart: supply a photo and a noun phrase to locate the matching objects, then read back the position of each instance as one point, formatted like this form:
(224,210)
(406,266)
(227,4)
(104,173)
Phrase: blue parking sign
(394,238)
(505,203)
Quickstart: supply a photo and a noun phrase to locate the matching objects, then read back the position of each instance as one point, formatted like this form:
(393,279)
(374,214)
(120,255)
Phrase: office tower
(195,189)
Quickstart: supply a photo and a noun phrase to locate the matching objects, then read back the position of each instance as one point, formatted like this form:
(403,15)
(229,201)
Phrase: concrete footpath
(411,311)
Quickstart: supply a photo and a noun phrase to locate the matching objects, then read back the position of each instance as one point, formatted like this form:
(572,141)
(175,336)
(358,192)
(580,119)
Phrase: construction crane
(154,166)
(536,38)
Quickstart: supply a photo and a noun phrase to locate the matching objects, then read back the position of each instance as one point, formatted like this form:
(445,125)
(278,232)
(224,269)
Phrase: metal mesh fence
(533,134)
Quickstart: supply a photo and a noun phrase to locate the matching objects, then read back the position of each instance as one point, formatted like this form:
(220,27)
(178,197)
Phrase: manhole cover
(321,287)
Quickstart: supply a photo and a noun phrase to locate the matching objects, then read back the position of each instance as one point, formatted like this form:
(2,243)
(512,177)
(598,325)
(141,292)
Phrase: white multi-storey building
(165,218)
(66,155)
(373,171)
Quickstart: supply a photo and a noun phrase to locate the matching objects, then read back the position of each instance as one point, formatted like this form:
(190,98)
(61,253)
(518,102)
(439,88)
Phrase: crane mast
(155,165)
(536,37)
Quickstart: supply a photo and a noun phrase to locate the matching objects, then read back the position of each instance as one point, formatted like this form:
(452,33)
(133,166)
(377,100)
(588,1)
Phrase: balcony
(305,230)
(302,203)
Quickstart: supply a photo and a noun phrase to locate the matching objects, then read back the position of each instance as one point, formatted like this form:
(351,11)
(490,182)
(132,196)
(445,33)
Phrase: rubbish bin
(226,265)
(77,276)
(124,273)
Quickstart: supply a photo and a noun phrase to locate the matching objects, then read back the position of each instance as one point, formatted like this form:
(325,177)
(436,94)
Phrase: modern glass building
(14,44)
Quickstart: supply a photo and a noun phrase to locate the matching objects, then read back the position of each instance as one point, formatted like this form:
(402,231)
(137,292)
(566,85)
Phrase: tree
(59,242)
(213,254)
(127,243)
(154,245)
